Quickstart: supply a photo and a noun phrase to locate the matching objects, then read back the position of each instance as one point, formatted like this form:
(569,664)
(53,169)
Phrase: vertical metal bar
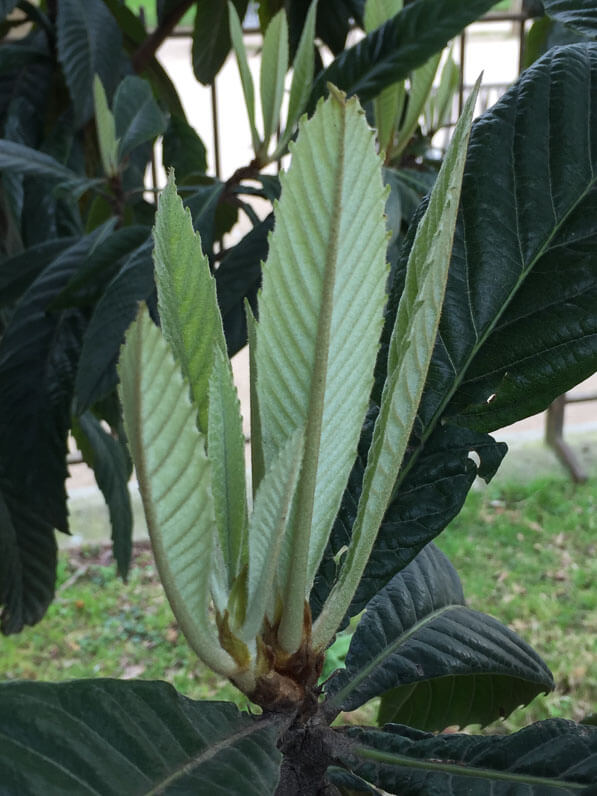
(461,77)
(216,130)
(521,44)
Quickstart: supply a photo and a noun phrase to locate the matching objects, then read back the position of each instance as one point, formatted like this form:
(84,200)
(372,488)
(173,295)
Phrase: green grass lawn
(526,553)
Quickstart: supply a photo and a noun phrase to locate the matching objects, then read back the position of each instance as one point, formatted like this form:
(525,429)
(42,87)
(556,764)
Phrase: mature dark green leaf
(334,20)
(19,271)
(28,556)
(239,277)
(416,630)
(581,15)
(137,115)
(349,784)
(521,326)
(211,37)
(6,6)
(38,356)
(406,41)
(15,157)
(14,55)
(431,495)
(203,205)
(109,459)
(89,43)
(112,737)
(183,150)
(112,316)
(101,266)
(550,758)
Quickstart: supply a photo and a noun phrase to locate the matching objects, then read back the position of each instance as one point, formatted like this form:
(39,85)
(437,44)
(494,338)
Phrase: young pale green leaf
(246,79)
(438,109)
(302,78)
(267,530)
(106,129)
(174,477)
(379,11)
(549,757)
(411,347)
(135,737)
(417,637)
(189,311)
(257,460)
(390,102)
(421,83)
(320,318)
(226,452)
(274,64)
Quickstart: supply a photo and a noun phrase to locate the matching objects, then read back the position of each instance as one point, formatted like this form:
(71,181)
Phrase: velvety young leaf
(549,758)
(430,497)
(267,530)
(402,44)
(316,340)
(226,453)
(89,43)
(106,131)
(274,65)
(523,280)
(114,312)
(416,630)
(137,115)
(112,737)
(186,296)
(28,558)
(109,460)
(409,354)
(174,477)
(211,37)
(302,76)
(581,15)
(246,78)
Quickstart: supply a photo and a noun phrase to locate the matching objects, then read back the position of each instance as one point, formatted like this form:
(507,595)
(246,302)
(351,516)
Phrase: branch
(148,49)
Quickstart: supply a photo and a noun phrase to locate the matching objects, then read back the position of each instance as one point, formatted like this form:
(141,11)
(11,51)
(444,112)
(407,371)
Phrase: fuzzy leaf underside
(114,737)
(274,64)
(174,479)
(549,758)
(226,452)
(186,297)
(410,350)
(268,531)
(316,332)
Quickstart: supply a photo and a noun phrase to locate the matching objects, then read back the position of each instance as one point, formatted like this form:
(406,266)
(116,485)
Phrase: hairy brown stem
(148,49)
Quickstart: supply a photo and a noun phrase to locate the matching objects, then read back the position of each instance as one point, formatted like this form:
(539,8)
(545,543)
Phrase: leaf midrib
(489,330)
(209,752)
(458,769)
(387,652)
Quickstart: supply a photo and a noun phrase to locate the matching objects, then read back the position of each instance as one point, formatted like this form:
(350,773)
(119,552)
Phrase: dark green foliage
(550,757)
(132,738)
(518,328)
